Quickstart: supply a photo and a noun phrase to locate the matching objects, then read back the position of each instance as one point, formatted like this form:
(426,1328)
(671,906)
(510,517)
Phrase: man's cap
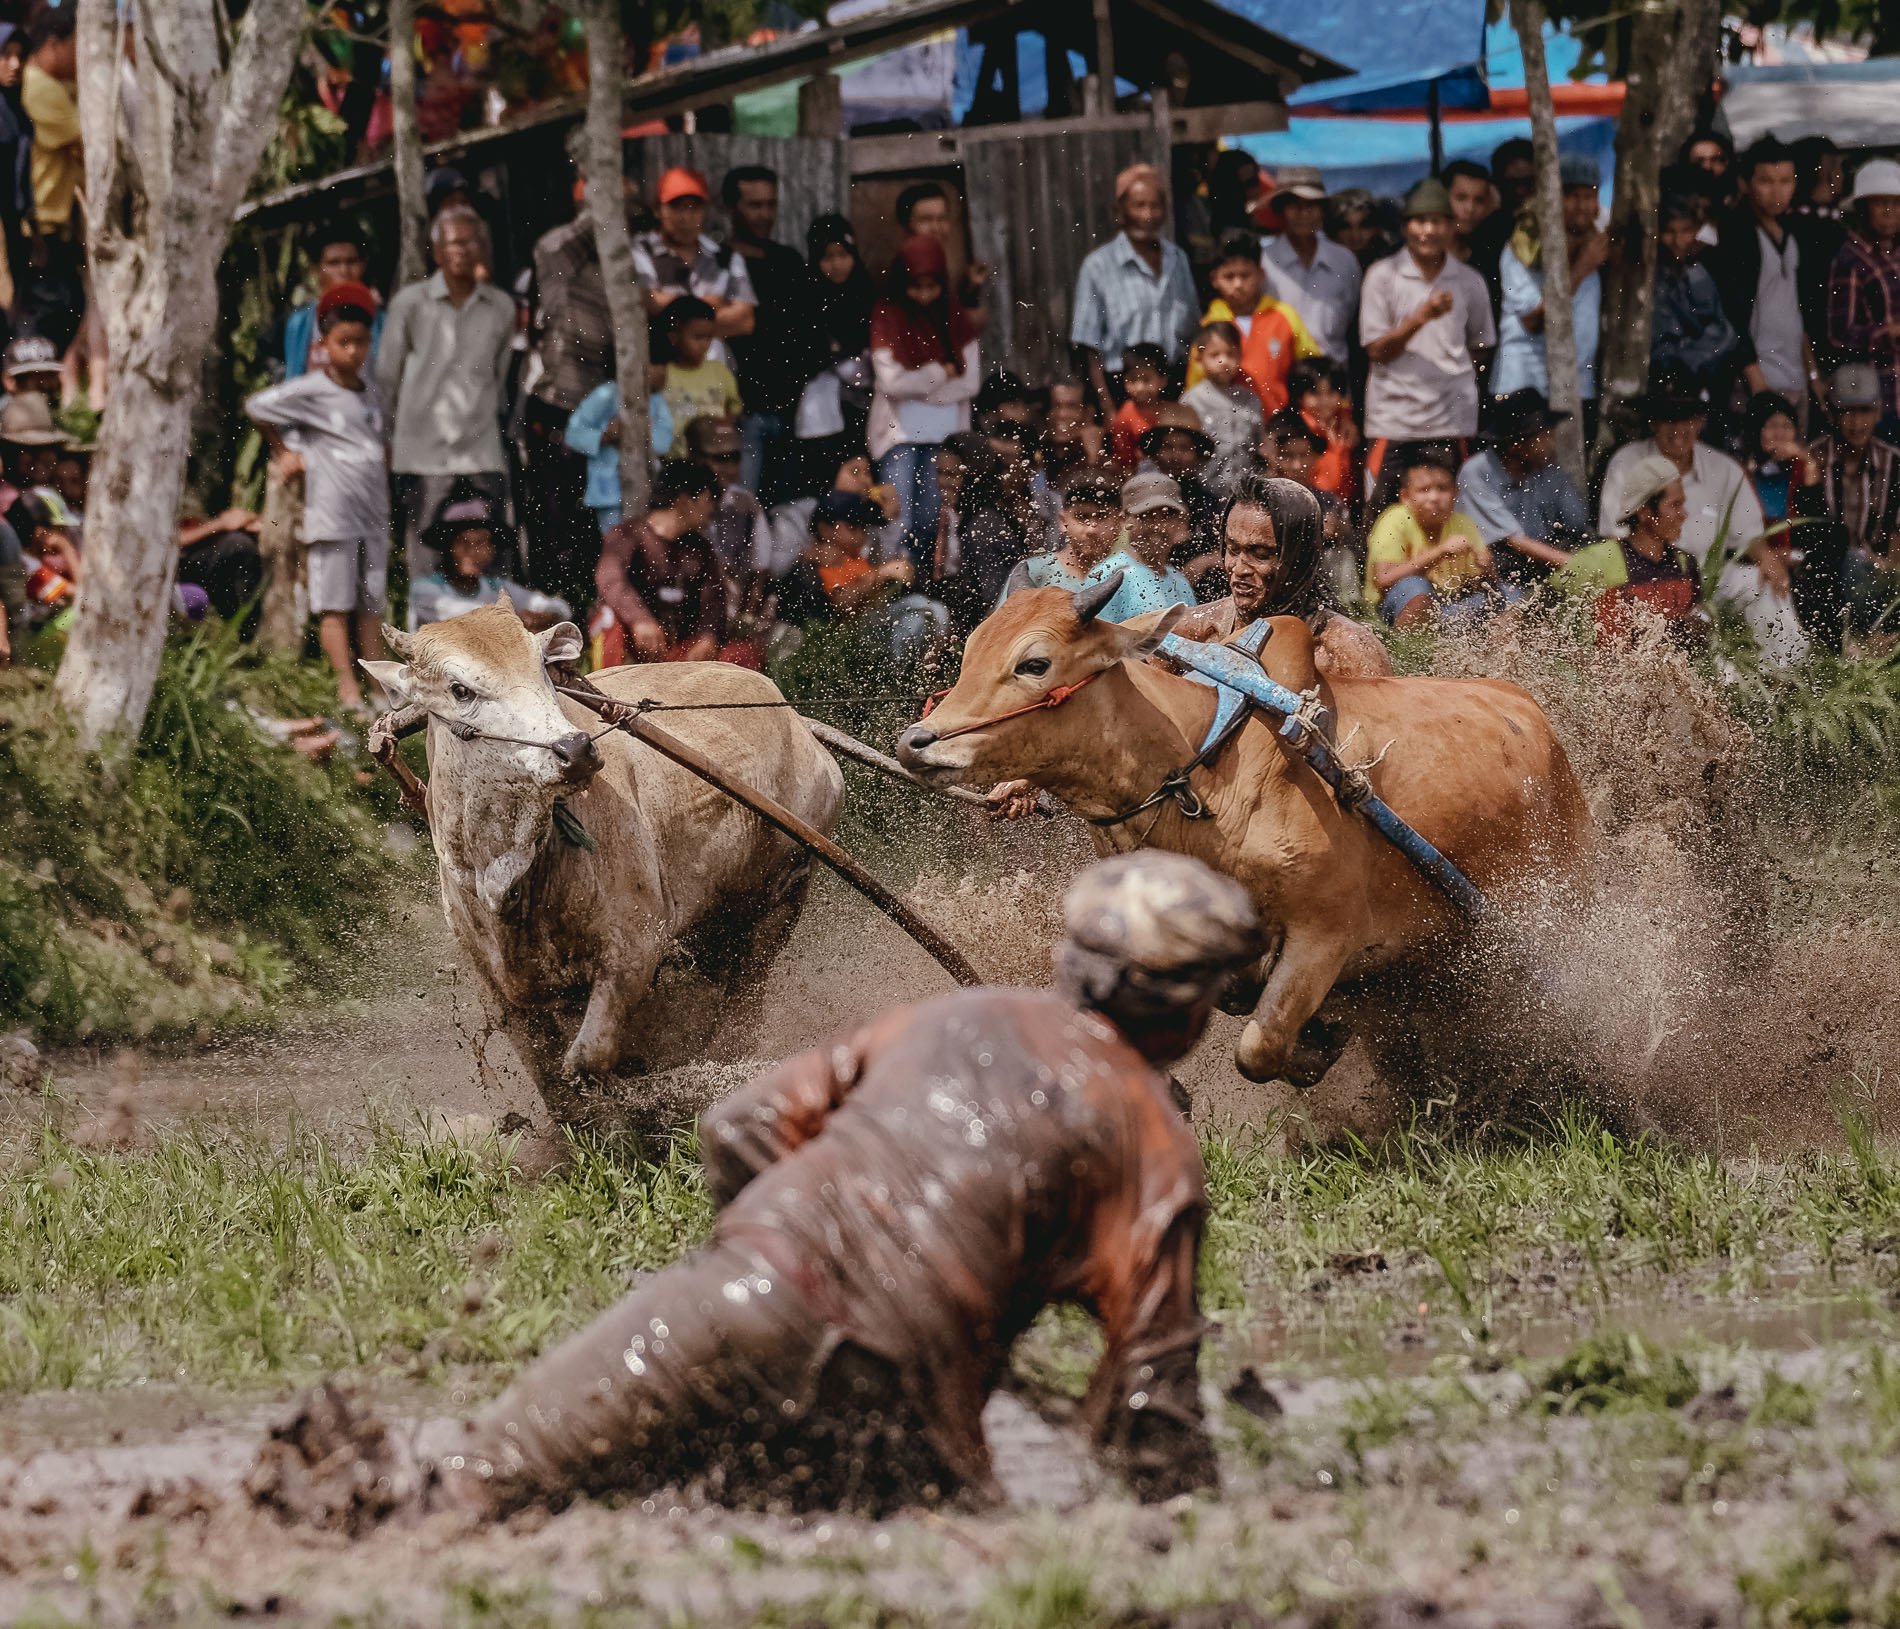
(31,354)
(1856,384)
(716,437)
(1673,395)
(1521,414)
(1579,170)
(27,421)
(850,508)
(1877,178)
(438,184)
(1176,416)
(1648,476)
(1151,490)
(342,294)
(1427,197)
(1300,181)
(1166,913)
(680,182)
(1092,486)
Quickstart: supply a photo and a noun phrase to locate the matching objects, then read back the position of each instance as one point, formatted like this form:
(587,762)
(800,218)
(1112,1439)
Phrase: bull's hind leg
(1273,1045)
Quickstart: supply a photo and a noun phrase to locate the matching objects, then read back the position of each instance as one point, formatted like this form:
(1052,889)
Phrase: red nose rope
(1055,698)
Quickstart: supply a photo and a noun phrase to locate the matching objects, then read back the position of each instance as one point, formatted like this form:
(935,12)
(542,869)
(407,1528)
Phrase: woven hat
(1649,475)
(1877,178)
(1150,491)
(1300,181)
(1176,416)
(27,421)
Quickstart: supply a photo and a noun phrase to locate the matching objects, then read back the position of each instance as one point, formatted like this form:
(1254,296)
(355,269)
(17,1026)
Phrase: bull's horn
(404,645)
(1089,601)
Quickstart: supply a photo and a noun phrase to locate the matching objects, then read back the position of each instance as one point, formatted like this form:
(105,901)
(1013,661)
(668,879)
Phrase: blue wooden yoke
(1235,672)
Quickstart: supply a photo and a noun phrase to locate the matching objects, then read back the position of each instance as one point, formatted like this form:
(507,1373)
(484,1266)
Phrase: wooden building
(1036,189)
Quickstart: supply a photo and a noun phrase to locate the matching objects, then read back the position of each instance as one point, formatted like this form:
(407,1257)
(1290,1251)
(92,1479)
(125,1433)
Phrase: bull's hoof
(1303,1065)
(1255,1059)
(1316,1051)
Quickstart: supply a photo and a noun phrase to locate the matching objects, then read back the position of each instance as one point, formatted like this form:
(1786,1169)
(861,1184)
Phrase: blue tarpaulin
(1395,50)
(1385,156)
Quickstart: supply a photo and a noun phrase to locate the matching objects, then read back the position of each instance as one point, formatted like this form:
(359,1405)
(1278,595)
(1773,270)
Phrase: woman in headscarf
(16,154)
(834,406)
(925,361)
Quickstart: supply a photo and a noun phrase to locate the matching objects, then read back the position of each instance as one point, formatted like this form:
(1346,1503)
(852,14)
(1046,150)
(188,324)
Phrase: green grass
(229,1262)
(196,877)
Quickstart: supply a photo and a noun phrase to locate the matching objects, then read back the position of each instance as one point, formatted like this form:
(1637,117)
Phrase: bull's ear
(394,677)
(503,598)
(561,643)
(1144,642)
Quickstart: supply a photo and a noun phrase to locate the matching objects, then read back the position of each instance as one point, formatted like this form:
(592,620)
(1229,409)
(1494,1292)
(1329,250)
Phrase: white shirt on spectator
(1325,294)
(440,367)
(924,406)
(1722,506)
(1522,363)
(1430,389)
(340,436)
(435,599)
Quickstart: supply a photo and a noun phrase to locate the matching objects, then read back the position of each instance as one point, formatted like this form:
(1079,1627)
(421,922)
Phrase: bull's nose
(577,755)
(918,738)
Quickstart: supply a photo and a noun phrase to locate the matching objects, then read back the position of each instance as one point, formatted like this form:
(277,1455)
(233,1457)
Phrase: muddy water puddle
(1421,1343)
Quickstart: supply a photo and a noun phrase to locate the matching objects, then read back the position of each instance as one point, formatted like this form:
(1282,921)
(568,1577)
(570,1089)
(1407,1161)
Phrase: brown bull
(1472,764)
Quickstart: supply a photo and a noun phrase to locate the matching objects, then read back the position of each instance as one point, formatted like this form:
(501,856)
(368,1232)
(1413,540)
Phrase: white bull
(567,939)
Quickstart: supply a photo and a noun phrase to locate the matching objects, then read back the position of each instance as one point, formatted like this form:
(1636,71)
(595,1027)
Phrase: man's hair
(342,232)
(1297,528)
(701,431)
(1469,168)
(744,175)
(1239,244)
(1510,152)
(53,23)
(1677,206)
(999,388)
(1696,137)
(687,308)
(1311,371)
(344,313)
(1432,455)
(459,215)
(1144,355)
(1289,424)
(915,194)
(678,478)
(1230,332)
(1768,150)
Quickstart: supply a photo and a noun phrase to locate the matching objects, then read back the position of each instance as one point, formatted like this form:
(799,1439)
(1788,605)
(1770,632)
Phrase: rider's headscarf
(1297,529)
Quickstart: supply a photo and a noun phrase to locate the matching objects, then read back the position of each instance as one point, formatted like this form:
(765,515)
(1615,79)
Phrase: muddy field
(1566,1380)
(1605,1341)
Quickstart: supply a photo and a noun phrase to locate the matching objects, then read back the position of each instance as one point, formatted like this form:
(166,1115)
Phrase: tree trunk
(604,168)
(1671,56)
(280,541)
(412,208)
(159,200)
(1560,329)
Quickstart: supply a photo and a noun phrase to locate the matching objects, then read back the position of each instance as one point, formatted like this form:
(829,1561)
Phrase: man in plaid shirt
(1136,290)
(1863,289)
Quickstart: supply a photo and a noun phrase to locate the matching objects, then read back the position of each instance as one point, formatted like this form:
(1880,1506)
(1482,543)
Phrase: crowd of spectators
(831,443)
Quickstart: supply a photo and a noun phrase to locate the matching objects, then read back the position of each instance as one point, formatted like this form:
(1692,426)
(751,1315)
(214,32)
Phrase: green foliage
(1835,720)
(235,1261)
(199,876)
(1612,1371)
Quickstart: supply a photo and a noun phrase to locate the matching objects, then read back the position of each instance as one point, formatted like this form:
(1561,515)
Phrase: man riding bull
(895,1209)
(1271,532)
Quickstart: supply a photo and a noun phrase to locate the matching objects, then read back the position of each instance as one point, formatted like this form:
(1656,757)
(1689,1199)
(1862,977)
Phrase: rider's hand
(1013,800)
(649,638)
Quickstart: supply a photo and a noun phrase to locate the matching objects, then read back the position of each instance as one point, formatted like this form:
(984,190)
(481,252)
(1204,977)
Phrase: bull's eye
(460,691)
(1032,667)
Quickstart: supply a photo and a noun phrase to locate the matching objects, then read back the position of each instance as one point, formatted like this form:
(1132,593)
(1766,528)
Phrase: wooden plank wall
(1038,204)
(814,173)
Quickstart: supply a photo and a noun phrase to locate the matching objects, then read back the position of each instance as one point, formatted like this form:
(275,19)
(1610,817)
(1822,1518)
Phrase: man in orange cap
(679,258)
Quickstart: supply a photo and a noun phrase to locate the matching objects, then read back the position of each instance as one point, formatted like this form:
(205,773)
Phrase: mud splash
(1701,989)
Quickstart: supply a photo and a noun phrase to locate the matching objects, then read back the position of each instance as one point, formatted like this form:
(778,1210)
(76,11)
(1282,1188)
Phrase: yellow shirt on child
(708,391)
(1396,536)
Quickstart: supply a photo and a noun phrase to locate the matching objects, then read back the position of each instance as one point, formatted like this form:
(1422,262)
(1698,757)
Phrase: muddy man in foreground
(895,1209)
